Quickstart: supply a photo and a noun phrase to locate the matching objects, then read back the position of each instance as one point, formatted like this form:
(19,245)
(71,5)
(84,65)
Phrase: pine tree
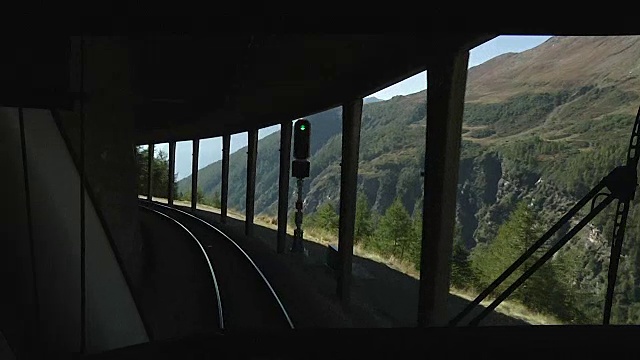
(199,197)
(363,224)
(216,200)
(462,276)
(159,173)
(395,231)
(543,291)
(325,217)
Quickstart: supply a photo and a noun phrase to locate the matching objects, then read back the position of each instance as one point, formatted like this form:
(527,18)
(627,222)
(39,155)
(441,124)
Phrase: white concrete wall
(112,318)
(55,202)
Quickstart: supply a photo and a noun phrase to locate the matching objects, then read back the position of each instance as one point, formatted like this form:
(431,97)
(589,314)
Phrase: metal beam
(194,173)
(149,172)
(351,119)
(252,154)
(283,183)
(172,172)
(446,82)
(224,192)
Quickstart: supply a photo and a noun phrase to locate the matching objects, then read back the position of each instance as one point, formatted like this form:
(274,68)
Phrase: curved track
(182,297)
(249,300)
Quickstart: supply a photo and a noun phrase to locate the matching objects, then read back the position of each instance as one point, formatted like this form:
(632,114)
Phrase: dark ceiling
(203,87)
(227,82)
(207,85)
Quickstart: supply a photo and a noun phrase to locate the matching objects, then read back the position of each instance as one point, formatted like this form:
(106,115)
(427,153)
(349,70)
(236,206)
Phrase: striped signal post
(300,170)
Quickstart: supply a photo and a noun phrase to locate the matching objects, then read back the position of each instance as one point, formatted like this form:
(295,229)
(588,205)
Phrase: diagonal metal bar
(527,254)
(543,259)
(616,249)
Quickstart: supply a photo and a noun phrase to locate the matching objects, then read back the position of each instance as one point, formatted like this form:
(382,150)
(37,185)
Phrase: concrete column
(172,172)
(224,192)
(446,82)
(149,172)
(351,118)
(252,154)
(194,173)
(283,183)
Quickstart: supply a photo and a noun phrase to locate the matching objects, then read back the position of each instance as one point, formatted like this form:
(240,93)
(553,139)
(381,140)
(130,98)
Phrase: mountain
(387,159)
(543,126)
(559,90)
(371,99)
(558,64)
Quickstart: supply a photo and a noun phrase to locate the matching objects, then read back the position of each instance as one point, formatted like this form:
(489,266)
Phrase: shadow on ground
(176,290)
(381,296)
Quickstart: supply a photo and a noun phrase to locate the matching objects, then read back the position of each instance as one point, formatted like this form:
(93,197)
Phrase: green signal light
(302,127)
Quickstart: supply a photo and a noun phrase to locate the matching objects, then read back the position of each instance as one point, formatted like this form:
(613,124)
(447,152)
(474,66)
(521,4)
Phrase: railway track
(181,297)
(246,299)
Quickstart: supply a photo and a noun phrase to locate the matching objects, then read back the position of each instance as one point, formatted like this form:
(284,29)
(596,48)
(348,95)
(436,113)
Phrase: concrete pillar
(283,183)
(252,154)
(224,192)
(351,119)
(172,172)
(194,173)
(150,173)
(446,82)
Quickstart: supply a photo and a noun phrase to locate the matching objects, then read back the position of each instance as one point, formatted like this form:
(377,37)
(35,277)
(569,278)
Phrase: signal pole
(298,245)
(300,170)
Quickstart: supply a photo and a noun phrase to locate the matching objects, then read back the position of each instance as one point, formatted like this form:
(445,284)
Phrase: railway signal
(300,169)
(301,139)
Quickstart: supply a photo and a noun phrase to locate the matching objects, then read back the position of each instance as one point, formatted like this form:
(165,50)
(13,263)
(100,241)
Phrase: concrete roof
(198,86)
(207,86)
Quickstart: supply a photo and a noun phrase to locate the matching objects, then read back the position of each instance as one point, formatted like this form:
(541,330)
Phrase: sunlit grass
(512,309)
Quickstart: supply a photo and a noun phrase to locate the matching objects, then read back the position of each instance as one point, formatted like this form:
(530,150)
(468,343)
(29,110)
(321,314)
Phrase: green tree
(200,196)
(159,173)
(395,231)
(462,275)
(543,291)
(325,217)
(363,223)
(512,240)
(216,200)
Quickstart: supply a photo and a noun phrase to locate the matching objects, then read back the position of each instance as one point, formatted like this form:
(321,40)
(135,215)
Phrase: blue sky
(211,149)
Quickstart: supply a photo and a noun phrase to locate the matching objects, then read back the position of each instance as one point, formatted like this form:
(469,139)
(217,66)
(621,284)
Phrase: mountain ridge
(486,85)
